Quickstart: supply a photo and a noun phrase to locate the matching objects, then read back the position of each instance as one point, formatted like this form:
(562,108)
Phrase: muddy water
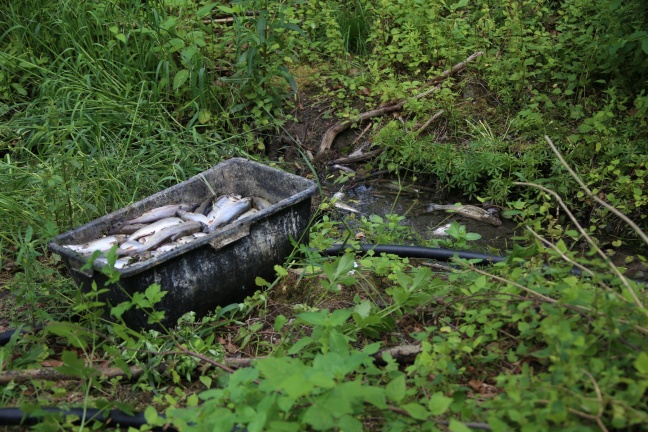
(379,199)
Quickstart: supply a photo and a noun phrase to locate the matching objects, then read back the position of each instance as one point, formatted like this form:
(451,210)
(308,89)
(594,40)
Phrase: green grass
(103,103)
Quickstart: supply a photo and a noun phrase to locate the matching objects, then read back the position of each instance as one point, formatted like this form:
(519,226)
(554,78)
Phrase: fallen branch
(51,374)
(356,158)
(401,353)
(429,122)
(470,425)
(334,130)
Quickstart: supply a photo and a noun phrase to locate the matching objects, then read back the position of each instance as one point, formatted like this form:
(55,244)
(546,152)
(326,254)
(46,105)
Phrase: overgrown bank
(106,102)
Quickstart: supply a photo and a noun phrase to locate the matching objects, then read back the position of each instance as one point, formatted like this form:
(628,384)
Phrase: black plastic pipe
(113,418)
(413,252)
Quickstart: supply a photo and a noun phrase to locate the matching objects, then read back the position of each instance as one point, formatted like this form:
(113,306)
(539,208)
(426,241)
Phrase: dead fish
(165,234)
(155,227)
(119,264)
(126,229)
(205,206)
(188,238)
(260,203)
(337,202)
(103,244)
(130,247)
(247,214)
(225,212)
(341,168)
(194,217)
(156,214)
(468,211)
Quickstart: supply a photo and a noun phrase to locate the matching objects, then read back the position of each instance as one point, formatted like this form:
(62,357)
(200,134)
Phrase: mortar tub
(215,270)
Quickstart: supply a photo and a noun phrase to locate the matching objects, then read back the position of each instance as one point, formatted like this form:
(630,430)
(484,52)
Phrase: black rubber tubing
(16,416)
(413,252)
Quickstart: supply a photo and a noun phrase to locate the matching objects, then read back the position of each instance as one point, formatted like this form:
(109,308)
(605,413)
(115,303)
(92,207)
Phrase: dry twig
(598,250)
(623,217)
(429,122)
(51,374)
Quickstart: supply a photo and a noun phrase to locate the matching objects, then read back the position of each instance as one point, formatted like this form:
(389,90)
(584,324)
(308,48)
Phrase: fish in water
(158,213)
(227,209)
(468,211)
(155,227)
(337,198)
(103,244)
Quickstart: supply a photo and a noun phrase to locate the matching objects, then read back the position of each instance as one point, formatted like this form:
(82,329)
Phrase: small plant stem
(580,414)
(210,361)
(522,287)
(613,209)
(570,261)
(577,308)
(599,397)
(590,241)
(471,425)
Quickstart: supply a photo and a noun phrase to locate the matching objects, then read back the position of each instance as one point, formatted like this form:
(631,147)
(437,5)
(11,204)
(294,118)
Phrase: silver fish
(103,244)
(155,227)
(190,238)
(260,203)
(165,234)
(158,213)
(205,206)
(195,217)
(468,211)
(119,264)
(130,247)
(337,202)
(247,214)
(228,211)
(126,229)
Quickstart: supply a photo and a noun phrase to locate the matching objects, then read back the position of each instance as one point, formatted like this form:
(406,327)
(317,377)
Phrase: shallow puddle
(380,199)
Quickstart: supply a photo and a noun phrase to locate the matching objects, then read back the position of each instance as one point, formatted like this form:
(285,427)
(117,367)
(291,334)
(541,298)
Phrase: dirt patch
(311,118)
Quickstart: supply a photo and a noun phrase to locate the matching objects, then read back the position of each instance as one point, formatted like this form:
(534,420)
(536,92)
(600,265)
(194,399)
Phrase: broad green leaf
(180,78)
(75,366)
(457,426)
(260,282)
(416,411)
(641,363)
(280,320)
(363,309)
(205,10)
(438,403)
(151,415)
(154,293)
(395,390)
(207,381)
(280,270)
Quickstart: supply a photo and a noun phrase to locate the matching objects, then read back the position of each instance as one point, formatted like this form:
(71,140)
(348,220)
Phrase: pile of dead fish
(165,228)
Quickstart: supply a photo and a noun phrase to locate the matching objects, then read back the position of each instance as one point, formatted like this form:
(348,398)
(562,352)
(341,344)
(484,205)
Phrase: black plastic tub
(211,271)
